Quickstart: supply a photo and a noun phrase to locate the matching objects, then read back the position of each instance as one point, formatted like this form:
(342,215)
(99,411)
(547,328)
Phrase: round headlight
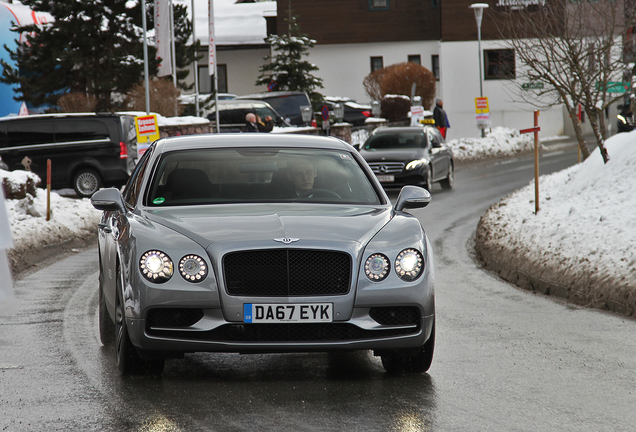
(409,264)
(156,266)
(193,268)
(377,267)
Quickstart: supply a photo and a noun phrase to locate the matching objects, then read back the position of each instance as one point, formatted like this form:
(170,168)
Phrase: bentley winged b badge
(286,240)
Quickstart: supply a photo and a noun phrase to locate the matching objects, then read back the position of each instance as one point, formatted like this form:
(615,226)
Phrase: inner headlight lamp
(156,266)
(409,264)
(377,267)
(193,268)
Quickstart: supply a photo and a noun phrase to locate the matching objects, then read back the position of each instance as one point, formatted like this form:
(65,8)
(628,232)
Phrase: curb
(592,290)
(23,261)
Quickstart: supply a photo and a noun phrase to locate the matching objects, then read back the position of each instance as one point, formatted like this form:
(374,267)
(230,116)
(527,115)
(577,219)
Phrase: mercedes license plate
(386,178)
(285,313)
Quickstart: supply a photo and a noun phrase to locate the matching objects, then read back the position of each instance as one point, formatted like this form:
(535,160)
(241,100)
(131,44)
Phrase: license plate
(285,313)
(386,178)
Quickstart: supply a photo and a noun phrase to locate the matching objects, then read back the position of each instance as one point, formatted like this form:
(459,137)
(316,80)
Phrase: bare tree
(573,47)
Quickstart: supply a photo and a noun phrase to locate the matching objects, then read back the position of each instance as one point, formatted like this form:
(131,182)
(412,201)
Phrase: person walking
(440,117)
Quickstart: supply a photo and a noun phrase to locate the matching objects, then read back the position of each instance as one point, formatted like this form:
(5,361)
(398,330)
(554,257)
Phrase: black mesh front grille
(402,315)
(287,272)
(319,332)
(173,318)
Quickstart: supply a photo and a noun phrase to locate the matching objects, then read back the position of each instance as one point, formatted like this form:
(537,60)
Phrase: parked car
(259,243)
(415,155)
(625,120)
(232,114)
(287,103)
(354,113)
(87,151)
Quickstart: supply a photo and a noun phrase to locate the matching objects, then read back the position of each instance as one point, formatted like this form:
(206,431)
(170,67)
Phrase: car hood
(250,226)
(406,155)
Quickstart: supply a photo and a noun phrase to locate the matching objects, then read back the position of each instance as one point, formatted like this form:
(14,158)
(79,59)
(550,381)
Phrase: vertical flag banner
(211,43)
(162,36)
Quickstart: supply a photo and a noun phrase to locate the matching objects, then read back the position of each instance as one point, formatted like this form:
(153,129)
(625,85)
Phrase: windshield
(390,141)
(215,176)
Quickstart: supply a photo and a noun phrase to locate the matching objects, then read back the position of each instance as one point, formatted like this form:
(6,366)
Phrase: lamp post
(479,13)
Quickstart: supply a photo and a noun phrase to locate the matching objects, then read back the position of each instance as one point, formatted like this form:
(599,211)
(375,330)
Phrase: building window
(415,59)
(206,82)
(375,5)
(376,63)
(499,64)
(435,66)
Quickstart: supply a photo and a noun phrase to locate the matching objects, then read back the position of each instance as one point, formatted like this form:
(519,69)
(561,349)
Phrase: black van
(87,151)
(232,114)
(287,103)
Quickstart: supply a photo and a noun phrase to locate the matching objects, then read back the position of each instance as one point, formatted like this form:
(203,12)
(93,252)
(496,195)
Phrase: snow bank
(499,142)
(584,235)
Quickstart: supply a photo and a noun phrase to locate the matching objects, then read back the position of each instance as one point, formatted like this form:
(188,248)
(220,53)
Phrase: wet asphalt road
(506,359)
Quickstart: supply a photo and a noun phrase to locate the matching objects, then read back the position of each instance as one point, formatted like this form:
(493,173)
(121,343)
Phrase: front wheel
(106,326)
(428,180)
(86,182)
(413,363)
(128,360)
(448,182)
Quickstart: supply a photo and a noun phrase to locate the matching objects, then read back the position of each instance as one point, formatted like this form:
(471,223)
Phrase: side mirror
(412,197)
(108,200)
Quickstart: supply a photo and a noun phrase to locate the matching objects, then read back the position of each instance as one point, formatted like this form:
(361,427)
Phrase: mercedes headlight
(193,268)
(156,266)
(409,264)
(377,267)
(415,164)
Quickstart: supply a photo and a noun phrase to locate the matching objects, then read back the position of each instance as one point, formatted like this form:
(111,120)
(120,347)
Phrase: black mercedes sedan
(414,155)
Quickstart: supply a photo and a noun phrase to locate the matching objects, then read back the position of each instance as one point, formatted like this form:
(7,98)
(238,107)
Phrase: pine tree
(91,47)
(286,69)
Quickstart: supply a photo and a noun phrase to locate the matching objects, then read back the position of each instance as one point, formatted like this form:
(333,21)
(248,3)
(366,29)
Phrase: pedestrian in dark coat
(440,117)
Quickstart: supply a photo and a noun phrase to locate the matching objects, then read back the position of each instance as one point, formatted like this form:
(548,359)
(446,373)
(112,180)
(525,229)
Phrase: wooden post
(536,130)
(48,189)
(536,162)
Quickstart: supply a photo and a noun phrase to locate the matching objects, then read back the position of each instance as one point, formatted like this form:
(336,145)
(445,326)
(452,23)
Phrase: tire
(106,325)
(128,360)
(418,363)
(86,182)
(428,181)
(449,181)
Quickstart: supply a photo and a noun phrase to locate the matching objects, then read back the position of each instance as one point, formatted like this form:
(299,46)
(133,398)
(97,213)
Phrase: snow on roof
(234,24)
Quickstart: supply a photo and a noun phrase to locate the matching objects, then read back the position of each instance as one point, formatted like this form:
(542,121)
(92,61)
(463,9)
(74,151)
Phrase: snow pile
(27,216)
(499,142)
(585,224)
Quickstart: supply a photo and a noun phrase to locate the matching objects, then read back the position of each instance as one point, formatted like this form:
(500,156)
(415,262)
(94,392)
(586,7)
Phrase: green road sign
(532,86)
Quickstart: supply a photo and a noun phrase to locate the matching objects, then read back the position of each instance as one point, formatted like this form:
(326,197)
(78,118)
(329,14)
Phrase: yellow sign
(147,128)
(147,131)
(481,105)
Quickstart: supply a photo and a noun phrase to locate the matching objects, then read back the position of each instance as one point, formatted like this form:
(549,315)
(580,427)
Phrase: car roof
(60,115)
(223,140)
(382,130)
(270,94)
(242,102)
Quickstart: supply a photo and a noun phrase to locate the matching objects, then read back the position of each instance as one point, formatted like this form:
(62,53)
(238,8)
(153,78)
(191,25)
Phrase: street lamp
(479,13)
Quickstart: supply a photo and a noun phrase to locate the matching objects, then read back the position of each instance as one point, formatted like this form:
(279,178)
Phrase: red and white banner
(163,36)
(211,42)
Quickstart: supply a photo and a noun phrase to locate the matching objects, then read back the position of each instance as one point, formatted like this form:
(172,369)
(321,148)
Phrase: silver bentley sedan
(262,243)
